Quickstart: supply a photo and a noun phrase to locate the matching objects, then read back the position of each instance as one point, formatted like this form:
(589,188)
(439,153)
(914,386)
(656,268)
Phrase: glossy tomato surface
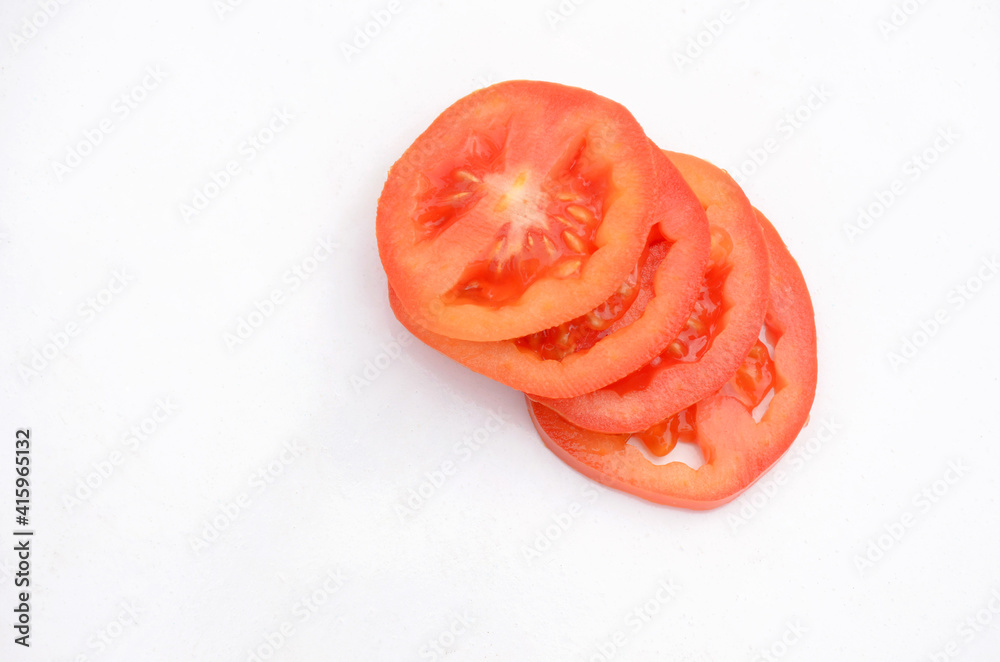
(523,206)
(723,326)
(627,330)
(737,447)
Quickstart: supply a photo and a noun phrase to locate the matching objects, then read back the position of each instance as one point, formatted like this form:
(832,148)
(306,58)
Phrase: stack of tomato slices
(536,235)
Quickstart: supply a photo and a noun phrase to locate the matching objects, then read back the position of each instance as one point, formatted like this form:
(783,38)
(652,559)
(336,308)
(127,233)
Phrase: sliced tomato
(722,328)
(737,449)
(523,205)
(625,331)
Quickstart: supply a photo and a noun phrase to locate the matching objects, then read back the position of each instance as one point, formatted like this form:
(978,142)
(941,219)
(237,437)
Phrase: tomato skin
(668,290)
(430,246)
(672,386)
(737,450)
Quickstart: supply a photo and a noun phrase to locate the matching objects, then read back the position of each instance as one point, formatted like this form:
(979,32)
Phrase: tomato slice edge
(424,272)
(673,386)
(675,282)
(738,451)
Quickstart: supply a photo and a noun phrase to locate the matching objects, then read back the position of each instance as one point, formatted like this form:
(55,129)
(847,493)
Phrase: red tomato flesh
(523,206)
(721,329)
(737,449)
(633,325)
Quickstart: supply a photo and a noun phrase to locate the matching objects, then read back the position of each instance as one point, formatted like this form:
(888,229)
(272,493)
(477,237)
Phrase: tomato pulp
(737,447)
(721,329)
(626,330)
(523,206)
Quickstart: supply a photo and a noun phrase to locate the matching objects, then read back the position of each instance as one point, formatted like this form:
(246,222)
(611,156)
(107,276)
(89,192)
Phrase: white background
(742,577)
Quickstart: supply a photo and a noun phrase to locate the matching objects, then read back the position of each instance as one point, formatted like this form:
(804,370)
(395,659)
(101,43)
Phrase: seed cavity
(568,268)
(581,214)
(467,176)
(574,242)
(696,325)
(597,322)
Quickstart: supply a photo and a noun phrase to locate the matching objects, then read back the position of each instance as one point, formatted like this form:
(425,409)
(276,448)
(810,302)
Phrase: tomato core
(549,220)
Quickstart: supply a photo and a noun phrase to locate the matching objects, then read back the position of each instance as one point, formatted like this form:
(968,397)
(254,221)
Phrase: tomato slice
(626,330)
(721,330)
(737,449)
(522,206)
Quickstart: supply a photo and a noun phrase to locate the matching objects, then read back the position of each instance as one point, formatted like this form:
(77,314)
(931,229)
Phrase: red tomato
(523,205)
(737,449)
(628,329)
(721,330)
